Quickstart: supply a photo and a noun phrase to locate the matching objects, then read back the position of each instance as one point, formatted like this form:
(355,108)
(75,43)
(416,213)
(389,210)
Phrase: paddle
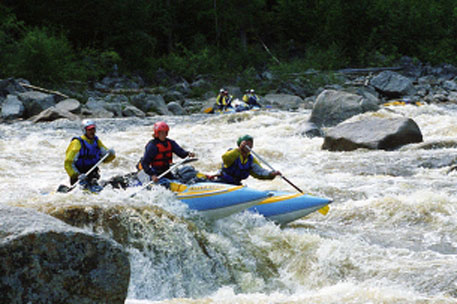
(65,189)
(323,210)
(184,161)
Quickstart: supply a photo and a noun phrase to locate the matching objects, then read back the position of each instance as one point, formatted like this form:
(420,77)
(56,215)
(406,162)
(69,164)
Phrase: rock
(450,85)
(96,108)
(36,102)
(150,103)
(45,260)
(332,107)
(176,108)
(69,105)
(12,108)
(283,101)
(12,86)
(392,84)
(374,133)
(310,129)
(51,114)
(133,111)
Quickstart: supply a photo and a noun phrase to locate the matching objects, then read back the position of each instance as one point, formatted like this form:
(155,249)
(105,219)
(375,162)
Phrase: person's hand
(243,147)
(82,177)
(111,151)
(154,178)
(275,173)
(191,154)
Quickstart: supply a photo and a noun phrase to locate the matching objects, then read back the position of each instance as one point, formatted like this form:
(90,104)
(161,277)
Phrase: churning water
(390,235)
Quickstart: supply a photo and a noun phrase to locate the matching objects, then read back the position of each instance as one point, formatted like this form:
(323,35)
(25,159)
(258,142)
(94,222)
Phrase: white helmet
(87,123)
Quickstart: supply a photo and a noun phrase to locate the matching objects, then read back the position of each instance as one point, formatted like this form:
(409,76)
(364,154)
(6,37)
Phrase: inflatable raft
(217,200)
(284,207)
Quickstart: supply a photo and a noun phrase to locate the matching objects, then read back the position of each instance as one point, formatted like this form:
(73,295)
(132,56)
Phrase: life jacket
(237,171)
(164,157)
(89,154)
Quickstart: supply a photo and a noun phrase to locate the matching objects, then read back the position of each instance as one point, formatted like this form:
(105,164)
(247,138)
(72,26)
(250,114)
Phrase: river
(390,235)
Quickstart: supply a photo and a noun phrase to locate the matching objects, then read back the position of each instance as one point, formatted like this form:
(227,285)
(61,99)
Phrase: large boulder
(53,113)
(175,108)
(97,107)
(373,133)
(69,105)
(44,260)
(130,111)
(12,108)
(392,84)
(283,101)
(36,102)
(12,86)
(332,107)
(150,103)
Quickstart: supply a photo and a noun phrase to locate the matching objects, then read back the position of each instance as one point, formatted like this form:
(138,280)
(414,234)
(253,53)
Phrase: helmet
(160,126)
(222,90)
(243,138)
(87,123)
(251,90)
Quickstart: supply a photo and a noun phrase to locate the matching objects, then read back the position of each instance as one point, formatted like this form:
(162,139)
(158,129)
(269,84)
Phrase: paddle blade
(63,189)
(208,110)
(324,210)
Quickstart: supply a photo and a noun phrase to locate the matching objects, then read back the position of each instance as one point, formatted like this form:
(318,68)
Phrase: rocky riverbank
(121,96)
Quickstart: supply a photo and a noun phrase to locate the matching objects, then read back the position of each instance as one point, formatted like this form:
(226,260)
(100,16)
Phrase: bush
(43,57)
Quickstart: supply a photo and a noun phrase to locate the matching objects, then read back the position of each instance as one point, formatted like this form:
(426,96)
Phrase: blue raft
(217,200)
(285,207)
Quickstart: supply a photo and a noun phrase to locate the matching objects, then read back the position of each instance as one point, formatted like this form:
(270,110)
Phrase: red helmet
(160,126)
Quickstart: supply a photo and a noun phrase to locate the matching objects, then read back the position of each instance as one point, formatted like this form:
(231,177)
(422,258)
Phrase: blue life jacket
(237,171)
(89,154)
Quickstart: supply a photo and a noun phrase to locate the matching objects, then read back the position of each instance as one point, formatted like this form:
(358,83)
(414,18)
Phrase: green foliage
(227,39)
(44,57)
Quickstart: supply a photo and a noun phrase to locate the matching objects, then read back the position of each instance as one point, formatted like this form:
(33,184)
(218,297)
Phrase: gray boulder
(309,129)
(374,133)
(283,101)
(96,108)
(12,108)
(176,108)
(69,105)
(36,102)
(332,107)
(150,103)
(130,111)
(45,260)
(53,113)
(392,84)
(12,86)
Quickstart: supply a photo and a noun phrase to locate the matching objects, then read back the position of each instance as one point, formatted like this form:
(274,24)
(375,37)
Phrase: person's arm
(229,157)
(105,150)
(71,156)
(178,150)
(259,172)
(149,154)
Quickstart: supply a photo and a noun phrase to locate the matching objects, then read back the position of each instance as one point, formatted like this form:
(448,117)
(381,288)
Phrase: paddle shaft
(184,161)
(268,165)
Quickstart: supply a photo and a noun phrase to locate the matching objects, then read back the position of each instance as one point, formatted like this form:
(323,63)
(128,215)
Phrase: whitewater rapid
(390,235)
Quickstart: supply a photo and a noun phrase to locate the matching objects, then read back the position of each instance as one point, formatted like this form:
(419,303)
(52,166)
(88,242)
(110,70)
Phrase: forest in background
(54,41)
